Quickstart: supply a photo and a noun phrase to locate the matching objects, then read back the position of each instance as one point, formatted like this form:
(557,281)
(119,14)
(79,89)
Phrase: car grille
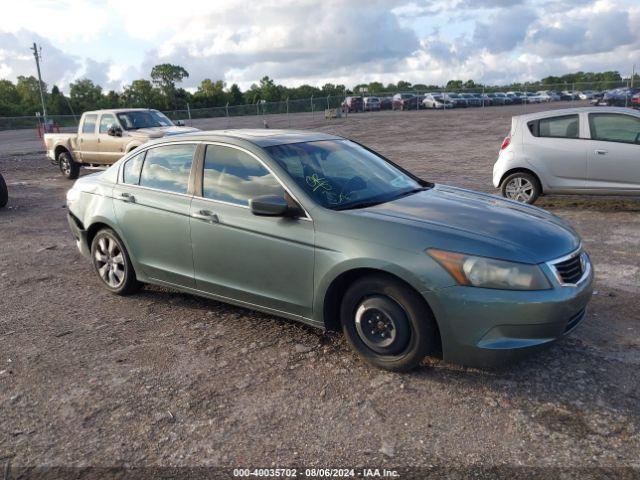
(571,270)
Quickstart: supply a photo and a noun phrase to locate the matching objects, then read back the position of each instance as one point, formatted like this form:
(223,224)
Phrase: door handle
(127,197)
(601,152)
(206,216)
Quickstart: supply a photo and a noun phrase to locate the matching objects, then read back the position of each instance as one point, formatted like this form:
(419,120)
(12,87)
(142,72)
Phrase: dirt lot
(167,379)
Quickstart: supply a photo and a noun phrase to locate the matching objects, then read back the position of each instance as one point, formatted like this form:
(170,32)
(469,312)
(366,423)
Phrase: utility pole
(37,53)
(633,74)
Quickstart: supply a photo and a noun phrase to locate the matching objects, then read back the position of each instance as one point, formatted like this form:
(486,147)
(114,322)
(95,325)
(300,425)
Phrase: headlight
(489,272)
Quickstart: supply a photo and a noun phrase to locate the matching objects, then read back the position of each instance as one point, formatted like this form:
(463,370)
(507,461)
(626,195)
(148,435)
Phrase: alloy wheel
(109,262)
(519,189)
(65,166)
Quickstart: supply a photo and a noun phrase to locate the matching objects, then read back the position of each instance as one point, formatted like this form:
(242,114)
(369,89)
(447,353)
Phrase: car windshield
(143,119)
(340,174)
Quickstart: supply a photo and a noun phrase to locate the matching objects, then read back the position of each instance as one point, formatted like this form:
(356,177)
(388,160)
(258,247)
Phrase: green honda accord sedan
(323,230)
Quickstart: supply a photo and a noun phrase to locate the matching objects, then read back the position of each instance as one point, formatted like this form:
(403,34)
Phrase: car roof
(573,111)
(260,137)
(121,110)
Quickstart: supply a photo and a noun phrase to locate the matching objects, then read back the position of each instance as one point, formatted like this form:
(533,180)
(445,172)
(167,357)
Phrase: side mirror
(114,131)
(272,206)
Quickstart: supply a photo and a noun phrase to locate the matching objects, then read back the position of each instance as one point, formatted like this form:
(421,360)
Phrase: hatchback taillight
(506,142)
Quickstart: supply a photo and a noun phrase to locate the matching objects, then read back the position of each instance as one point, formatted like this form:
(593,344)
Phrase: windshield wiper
(409,192)
(371,203)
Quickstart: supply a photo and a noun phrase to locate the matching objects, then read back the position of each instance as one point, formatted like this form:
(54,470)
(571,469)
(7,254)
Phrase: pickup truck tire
(68,167)
(4,194)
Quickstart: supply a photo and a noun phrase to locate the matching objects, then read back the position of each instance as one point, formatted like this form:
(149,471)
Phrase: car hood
(481,224)
(158,132)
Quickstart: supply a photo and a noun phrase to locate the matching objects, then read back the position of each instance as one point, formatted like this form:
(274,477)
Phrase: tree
(235,95)
(454,85)
(9,99)
(141,93)
(375,87)
(402,85)
(29,93)
(166,76)
(57,103)
(210,94)
(85,95)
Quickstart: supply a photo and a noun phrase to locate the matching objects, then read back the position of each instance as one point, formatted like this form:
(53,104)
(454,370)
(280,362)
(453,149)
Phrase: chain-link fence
(286,114)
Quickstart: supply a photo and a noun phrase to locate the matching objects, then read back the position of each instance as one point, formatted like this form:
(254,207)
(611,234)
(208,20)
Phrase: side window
(168,168)
(231,175)
(89,124)
(105,121)
(567,126)
(613,127)
(132,168)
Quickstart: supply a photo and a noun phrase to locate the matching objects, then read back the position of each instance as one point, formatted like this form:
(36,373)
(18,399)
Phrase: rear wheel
(4,193)
(112,263)
(521,187)
(68,167)
(388,323)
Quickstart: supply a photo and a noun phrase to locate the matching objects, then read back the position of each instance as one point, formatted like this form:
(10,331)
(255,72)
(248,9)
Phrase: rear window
(566,126)
(89,124)
(168,168)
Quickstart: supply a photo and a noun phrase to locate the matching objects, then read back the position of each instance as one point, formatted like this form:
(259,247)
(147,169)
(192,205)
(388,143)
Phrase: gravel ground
(165,379)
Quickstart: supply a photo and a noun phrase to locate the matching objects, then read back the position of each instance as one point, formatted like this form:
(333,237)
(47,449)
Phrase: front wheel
(68,167)
(388,323)
(112,263)
(521,187)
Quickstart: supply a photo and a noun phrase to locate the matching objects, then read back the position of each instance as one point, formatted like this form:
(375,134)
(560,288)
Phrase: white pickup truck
(106,135)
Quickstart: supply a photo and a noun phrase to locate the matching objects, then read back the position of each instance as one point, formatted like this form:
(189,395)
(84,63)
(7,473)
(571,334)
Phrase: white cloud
(318,41)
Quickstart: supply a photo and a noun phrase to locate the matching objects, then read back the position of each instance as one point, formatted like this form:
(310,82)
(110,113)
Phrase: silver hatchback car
(592,150)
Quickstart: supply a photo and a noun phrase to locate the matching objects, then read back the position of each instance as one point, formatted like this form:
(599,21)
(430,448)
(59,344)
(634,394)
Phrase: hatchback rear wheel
(521,187)
(388,323)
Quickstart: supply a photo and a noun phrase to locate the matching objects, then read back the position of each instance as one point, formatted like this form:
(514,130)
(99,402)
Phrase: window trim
(536,124)
(590,114)
(100,122)
(200,176)
(132,153)
(95,125)
(124,163)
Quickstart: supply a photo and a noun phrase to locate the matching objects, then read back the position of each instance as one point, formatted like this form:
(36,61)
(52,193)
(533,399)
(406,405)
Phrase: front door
(110,147)
(88,138)
(613,152)
(264,261)
(152,202)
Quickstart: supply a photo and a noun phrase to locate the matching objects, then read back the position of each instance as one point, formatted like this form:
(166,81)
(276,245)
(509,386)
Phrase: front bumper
(79,234)
(484,327)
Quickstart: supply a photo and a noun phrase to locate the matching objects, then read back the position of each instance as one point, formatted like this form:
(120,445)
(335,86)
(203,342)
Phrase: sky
(113,42)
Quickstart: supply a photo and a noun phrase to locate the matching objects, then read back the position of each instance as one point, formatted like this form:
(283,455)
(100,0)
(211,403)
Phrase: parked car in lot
(456,100)
(635,100)
(585,150)
(371,104)
(405,101)
(586,95)
(321,230)
(516,97)
(386,103)
(106,135)
(499,98)
(472,99)
(4,193)
(353,104)
(436,100)
(619,97)
(548,96)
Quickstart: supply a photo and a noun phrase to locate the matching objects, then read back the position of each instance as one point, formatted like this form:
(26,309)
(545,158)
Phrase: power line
(37,53)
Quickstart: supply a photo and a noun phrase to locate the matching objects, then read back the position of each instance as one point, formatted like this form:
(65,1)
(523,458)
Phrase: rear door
(554,147)
(613,152)
(110,147)
(88,139)
(152,201)
(265,261)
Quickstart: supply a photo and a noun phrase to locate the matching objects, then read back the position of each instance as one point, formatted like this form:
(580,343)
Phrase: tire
(68,167)
(521,187)
(112,263)
(4,193)
(384,299)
